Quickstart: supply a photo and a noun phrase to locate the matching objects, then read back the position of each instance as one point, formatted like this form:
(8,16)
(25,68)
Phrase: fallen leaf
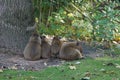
(104,64)
(1,70)
(77,62)
(72,67)
(118,66)
(86,78)
(45,63)
(103,70)
(14,68)
(33,77)
(53,65)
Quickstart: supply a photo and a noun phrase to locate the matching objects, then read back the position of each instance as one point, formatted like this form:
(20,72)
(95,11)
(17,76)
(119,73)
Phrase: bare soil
(12,61)
(9,60)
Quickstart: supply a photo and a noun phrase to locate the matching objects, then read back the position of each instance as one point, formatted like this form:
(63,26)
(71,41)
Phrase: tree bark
(15,17)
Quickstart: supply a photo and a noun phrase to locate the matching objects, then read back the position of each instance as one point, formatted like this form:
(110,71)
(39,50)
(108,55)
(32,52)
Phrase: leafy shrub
(88,20)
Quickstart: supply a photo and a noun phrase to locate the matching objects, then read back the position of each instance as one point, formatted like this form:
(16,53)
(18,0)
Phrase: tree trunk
(15,17)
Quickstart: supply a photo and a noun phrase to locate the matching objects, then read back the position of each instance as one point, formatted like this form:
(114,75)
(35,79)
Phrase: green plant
(80,19)
(105,22)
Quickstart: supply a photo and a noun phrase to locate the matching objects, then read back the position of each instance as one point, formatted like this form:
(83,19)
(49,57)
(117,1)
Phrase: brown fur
(71,51)
(55,46)
(32,50)
(79,47)
(45,48)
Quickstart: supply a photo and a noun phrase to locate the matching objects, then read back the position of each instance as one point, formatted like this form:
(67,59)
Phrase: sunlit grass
(95,69)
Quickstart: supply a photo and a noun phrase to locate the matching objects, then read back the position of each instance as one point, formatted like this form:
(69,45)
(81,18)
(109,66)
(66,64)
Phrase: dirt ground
(12,61)
(9,60)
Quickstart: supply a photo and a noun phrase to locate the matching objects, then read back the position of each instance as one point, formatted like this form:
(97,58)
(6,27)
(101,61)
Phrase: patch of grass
(96,69)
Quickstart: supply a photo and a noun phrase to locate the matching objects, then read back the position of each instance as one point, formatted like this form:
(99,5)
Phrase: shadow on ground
(10,60)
